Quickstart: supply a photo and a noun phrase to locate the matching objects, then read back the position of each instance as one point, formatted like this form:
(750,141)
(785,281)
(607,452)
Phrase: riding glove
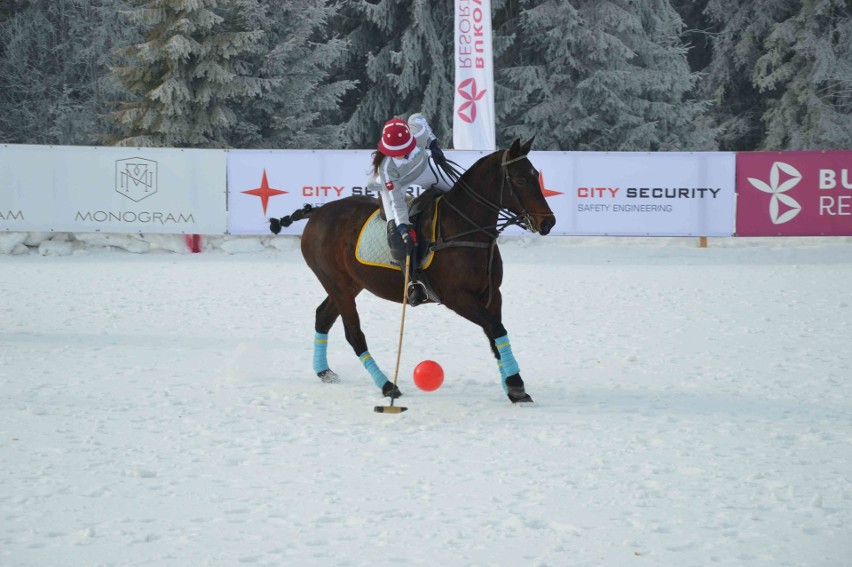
(409,237)
(437,153)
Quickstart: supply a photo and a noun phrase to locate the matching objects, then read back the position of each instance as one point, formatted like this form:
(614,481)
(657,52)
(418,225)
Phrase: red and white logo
(468,91)
(264,192)
(546,192)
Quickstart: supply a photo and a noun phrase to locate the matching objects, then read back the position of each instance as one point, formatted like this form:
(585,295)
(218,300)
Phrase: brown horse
(466,270)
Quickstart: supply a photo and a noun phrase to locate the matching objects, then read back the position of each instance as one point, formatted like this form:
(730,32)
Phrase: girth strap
(440,245)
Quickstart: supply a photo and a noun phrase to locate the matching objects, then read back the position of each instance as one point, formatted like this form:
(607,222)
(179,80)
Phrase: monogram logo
(136,178)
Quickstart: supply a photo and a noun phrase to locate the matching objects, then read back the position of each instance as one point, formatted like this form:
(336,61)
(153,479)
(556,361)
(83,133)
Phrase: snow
(693,408)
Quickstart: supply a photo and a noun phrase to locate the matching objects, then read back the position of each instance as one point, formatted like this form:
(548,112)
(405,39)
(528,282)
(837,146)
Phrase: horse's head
(521,191)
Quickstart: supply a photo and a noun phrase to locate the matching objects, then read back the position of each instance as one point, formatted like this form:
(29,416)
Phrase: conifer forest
(596,75)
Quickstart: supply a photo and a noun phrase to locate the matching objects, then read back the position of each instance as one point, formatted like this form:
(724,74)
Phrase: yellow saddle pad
(372,248)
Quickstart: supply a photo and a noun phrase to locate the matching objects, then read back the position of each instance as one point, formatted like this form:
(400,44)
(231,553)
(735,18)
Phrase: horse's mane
(472,172)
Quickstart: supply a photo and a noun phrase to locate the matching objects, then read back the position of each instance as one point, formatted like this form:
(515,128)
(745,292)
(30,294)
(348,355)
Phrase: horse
(466,270)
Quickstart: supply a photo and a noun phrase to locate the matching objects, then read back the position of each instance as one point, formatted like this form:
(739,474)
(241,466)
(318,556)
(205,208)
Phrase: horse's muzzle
(546,225)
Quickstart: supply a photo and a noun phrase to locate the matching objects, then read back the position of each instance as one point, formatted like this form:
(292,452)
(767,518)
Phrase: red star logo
(264,192)
(546,192)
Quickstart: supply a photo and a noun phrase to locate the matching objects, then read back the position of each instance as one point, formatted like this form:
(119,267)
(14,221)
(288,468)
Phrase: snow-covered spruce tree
(402,61)
(737,33)
(186,75)
(602,75)
(54,69)
(508,51)
(696,33)
(298,53)
(807,71)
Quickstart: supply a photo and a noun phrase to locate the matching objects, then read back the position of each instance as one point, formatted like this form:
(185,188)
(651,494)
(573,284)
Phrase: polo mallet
(391,408)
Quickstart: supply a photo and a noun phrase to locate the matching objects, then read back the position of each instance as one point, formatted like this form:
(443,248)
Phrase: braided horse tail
(275,225)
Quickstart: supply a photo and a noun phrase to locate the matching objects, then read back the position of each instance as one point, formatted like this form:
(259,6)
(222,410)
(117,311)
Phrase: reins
(505,218)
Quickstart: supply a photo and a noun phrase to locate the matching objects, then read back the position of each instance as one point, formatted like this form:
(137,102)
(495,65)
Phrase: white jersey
(395,175)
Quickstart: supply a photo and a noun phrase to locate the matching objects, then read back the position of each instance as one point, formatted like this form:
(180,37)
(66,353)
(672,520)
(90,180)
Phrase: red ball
(428,375)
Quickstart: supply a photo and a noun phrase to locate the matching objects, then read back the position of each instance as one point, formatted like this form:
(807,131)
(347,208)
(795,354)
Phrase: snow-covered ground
(694,407)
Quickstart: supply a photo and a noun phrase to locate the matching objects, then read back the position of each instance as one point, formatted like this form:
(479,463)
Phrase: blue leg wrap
(320,350)
(508,365)
(377,375)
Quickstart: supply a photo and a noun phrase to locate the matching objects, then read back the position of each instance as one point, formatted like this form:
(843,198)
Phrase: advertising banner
(264,184)
(671,194)
(119,190)
(639,194)
(794,193)
(473,104)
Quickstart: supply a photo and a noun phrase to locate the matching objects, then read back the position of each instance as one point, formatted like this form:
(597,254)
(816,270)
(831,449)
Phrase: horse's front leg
(489,318)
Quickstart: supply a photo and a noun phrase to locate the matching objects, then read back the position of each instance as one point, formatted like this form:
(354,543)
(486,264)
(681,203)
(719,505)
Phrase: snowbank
(67,244)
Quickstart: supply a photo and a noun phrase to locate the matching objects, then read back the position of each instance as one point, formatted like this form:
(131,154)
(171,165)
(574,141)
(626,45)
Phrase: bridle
(505,217)
(524,219)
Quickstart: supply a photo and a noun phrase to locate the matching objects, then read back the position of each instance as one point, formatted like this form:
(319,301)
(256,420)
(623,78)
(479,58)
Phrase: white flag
(473,105)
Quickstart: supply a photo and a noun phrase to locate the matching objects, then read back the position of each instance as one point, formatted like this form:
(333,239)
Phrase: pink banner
(794,193)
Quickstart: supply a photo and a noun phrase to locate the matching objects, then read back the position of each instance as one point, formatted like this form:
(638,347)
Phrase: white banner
(626,193)
(473,106)
(84,189)
(263,184)
(120,190)
(639,194)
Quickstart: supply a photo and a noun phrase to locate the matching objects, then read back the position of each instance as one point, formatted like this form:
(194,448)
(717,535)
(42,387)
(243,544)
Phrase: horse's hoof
(519,396)
(328,376)
(389,390)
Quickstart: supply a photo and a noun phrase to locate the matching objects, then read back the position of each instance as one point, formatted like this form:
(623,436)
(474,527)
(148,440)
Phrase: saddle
(373,249)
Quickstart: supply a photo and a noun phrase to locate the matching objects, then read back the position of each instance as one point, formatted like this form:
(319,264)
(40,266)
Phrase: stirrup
(416,293)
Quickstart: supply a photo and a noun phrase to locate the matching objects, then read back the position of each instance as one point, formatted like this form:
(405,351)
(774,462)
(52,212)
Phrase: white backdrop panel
(293,178)
(657,194)
(97,189)
(642,194)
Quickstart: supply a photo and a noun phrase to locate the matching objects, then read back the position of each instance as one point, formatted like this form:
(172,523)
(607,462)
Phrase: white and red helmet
(396,138)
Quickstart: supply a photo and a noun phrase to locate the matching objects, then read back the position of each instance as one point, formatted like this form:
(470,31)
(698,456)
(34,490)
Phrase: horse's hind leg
(355,337)
(327,314)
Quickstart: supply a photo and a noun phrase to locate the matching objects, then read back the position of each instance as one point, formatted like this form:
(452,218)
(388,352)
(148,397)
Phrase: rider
(400,161)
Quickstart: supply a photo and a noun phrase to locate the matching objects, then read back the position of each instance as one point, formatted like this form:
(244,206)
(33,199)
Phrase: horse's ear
(525,149)
(515,149)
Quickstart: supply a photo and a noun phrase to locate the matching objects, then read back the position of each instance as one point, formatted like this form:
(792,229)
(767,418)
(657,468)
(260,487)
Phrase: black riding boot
(416,290)
(397,247)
